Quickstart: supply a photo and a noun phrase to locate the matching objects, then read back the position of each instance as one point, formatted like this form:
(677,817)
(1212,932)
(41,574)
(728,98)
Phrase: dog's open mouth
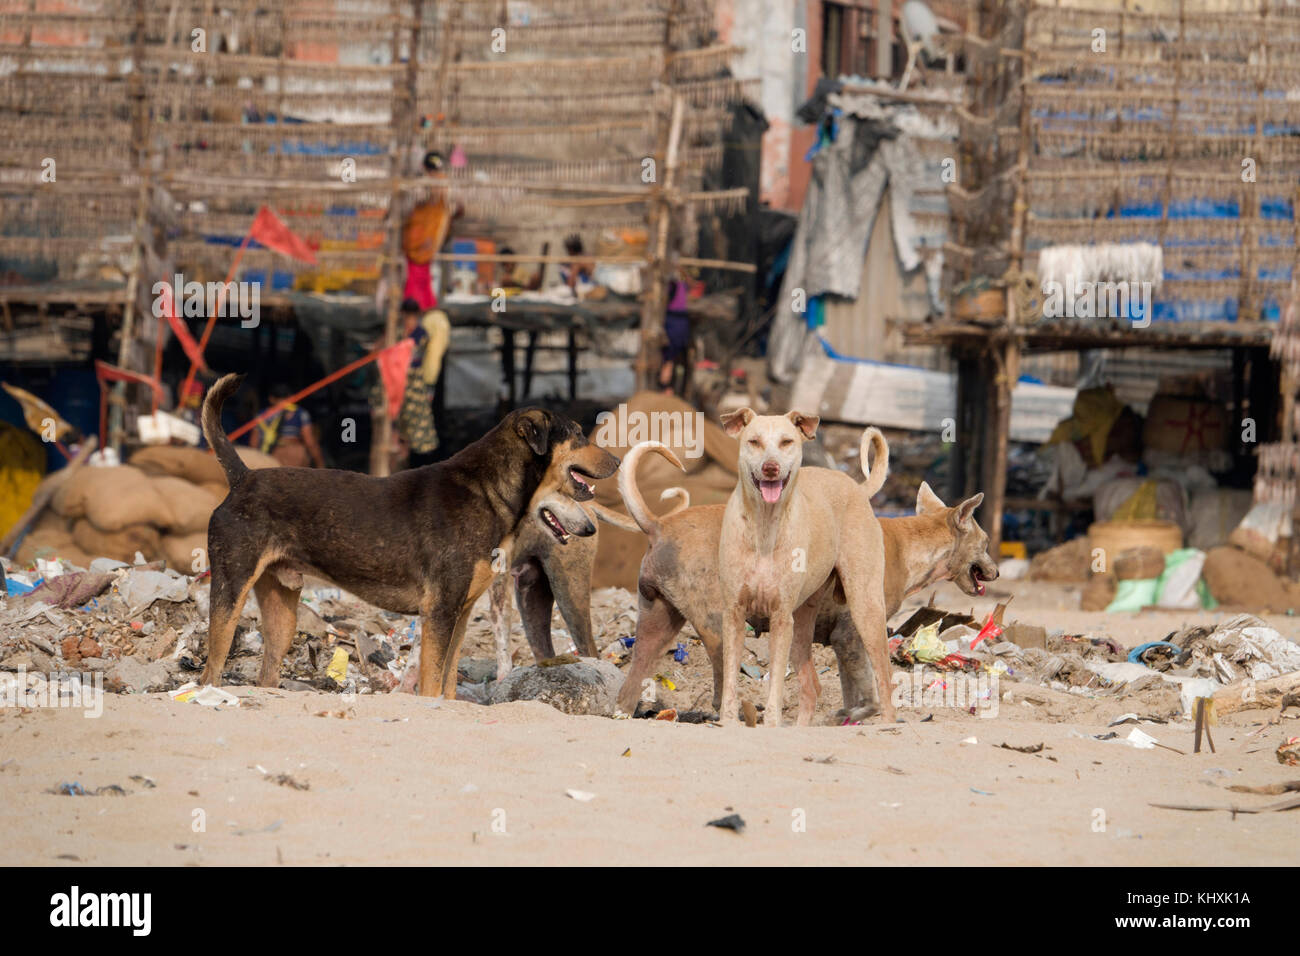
(554,525)
(977,580)
(584,481)
(770,488)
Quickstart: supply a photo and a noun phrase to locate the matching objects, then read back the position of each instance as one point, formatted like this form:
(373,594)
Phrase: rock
(32,661)
(476,670)
(42,643)
(164,642)
(588,686)
(130,675)
(473,693)
(72,649)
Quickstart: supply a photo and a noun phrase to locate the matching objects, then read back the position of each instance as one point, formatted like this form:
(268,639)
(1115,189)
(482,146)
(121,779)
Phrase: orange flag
(270,231)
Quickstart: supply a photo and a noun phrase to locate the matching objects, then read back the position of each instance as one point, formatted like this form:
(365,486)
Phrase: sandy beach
(303,778)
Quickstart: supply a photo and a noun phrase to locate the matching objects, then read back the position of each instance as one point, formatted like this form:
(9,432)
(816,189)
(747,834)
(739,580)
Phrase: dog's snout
(771,469)
(608,466)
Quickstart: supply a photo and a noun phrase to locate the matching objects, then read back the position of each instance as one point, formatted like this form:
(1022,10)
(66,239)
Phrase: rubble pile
(145,627)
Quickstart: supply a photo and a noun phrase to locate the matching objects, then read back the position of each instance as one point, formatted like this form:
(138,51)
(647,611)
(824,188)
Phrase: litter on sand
(731,822)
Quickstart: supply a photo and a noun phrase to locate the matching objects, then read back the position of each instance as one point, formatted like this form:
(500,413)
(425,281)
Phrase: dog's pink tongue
(771,491)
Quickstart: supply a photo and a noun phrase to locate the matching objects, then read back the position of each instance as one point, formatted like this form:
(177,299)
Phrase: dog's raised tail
(646,519)
(620,520)
(231,463)
(874,441)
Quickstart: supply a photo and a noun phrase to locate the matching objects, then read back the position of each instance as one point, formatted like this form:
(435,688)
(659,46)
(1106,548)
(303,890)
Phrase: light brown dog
(678,582)
(786,534)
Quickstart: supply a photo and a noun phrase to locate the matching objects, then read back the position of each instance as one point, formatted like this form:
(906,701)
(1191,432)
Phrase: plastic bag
(1179,586)
(1134,595)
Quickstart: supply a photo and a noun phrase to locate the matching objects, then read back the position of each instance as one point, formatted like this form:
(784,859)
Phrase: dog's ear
(733,423)
(807,424)
(534,427)
(927,501)
(964,513)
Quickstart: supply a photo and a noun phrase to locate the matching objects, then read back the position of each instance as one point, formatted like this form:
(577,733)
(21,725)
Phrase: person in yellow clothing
(288,436)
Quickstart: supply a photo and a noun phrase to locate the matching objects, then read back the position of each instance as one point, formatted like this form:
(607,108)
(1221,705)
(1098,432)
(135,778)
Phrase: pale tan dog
(785,535)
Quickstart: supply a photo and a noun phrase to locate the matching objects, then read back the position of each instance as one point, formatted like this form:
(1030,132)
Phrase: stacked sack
(158,505)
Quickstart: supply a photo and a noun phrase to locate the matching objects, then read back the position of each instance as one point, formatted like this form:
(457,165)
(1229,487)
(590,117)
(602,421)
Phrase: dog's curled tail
(620,520)
(646,519)
(874,441)
(231,463)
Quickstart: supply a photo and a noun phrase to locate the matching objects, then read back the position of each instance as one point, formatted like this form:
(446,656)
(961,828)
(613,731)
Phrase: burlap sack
(216,488)
(197,466)
(694,439)
(51,520)
(69,498)
(253,459)
(179,550)
(192,464)
(118,545)
(707,452)
(1139,564)
(112,498)
(50,543)
(189,505)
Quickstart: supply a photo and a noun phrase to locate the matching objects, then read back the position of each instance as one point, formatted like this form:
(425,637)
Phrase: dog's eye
(787,442)
(755,443)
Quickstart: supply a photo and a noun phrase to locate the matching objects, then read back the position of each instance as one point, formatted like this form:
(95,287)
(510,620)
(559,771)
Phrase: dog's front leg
(780,638)
(733,644)
(499,612)
(436,630)
(451,663)
(805,620)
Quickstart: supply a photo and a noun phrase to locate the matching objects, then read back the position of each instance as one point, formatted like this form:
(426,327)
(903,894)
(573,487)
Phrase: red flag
(270,231)
(192,350)
(394,366)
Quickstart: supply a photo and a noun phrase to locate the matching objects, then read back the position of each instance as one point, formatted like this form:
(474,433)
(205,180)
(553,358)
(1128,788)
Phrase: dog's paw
(854,715)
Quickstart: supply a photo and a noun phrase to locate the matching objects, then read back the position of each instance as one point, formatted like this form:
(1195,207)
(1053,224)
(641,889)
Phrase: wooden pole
(656,301)
(1007,353)
(404,119)
(884,39)
(140,136)
(659,213)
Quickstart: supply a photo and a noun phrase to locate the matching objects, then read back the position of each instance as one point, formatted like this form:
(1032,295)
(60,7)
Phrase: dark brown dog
(419,542)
